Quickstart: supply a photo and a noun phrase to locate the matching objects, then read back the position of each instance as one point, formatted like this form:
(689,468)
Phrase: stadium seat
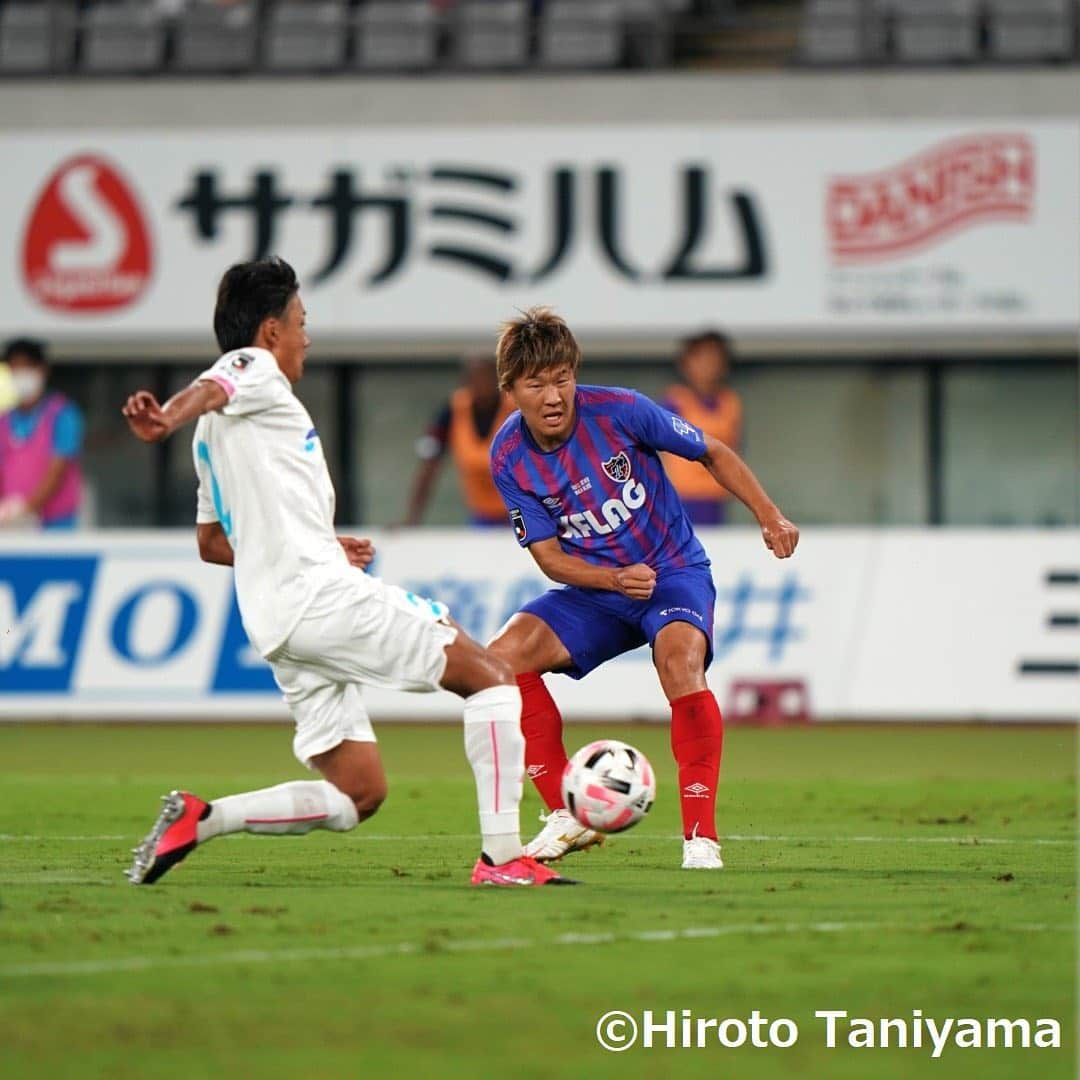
(936,31)
(831,32)
(580,33)
(396,35)
(306,36)
(1030,29)
(210,38)
(842,31)
(36,37)
(122,37)
(492,33)
(647,26)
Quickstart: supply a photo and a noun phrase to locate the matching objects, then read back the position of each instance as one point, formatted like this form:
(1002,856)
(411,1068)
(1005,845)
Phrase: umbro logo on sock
(536,770)
(696,791)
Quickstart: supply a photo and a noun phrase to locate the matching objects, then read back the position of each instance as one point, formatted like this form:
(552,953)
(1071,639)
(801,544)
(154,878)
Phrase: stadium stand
(217,39)
(1031,29)
(306,36)
(841,31)
(580,33)
(159,37)
(36,38)
(119,38)
(936,31)
(491,33)
(396,35)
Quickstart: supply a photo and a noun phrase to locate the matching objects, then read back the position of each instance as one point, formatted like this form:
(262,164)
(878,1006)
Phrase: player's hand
(360,551)
(14,511)
(780,536)
(636,582)
(145,417)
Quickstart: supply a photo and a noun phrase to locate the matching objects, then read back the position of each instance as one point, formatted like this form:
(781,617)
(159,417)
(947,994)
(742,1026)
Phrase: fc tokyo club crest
(618,468)
(517,519)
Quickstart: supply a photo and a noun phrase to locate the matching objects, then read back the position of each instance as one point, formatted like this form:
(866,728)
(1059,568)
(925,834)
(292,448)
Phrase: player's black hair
(250,293)
(28,348)
(716,338)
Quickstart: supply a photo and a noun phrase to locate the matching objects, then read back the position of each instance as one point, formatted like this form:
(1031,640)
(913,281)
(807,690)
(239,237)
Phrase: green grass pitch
(877,870)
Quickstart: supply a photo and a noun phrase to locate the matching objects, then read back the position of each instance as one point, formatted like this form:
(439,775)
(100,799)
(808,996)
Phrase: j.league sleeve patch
(517,519)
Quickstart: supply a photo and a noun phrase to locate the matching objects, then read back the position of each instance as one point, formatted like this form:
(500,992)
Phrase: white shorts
(357,630)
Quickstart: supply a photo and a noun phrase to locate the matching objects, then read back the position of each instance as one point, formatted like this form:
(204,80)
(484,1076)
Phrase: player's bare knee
(509,654)
(485,664)
(680,673)
(501,669)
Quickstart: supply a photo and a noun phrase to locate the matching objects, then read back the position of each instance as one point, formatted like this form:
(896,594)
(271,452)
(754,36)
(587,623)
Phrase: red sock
(697,740)
(541,724)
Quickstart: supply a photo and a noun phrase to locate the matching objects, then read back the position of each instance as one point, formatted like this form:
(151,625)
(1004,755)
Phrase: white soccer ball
(608,785)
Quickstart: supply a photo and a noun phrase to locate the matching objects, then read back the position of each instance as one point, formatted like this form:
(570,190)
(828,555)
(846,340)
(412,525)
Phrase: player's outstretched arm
(729,470)
(636,582)
(152,422)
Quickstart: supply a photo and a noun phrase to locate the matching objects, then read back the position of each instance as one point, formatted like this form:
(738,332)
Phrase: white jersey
(263,476)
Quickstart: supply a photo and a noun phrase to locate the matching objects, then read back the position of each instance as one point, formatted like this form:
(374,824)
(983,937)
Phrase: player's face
(291,344)
(705,368)
(546,401)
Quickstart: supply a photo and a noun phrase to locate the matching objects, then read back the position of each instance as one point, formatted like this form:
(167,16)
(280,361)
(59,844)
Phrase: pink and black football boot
(171,840)
(519,872)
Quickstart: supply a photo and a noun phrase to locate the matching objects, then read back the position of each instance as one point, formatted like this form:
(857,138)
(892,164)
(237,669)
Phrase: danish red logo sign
(87,246)
(955,185)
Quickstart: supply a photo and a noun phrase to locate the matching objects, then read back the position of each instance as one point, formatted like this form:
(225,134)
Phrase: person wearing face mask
(40,443)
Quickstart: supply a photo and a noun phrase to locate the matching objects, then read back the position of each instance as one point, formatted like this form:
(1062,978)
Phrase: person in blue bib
(579,470)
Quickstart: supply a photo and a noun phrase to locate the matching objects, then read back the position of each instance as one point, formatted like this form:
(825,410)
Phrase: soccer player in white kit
(266,508)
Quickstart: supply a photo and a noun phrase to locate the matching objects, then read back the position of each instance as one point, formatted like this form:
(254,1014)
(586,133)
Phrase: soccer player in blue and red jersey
(577,467)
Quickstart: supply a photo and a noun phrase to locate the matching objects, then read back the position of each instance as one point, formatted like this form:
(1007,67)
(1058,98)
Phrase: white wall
(692,97)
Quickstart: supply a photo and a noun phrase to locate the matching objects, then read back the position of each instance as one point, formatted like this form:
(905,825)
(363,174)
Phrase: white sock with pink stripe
(495,748)
(295,808)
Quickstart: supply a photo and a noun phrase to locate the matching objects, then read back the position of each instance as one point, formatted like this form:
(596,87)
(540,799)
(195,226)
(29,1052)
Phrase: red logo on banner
(956,184)
(87,247)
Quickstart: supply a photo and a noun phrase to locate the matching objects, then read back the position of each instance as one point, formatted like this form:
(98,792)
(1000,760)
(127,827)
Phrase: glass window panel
(394,407)
(118,471)
(1010,445)
(843,446)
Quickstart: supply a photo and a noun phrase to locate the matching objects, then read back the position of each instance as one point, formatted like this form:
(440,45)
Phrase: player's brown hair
(535,341)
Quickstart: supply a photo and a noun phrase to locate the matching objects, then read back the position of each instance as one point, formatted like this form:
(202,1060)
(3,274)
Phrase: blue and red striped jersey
(604,492)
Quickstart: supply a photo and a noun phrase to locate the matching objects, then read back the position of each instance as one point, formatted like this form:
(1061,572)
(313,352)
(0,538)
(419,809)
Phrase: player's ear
(270,330)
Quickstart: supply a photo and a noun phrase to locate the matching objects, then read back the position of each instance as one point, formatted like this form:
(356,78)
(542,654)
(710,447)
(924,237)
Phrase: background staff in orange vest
(465,427)
(705,399)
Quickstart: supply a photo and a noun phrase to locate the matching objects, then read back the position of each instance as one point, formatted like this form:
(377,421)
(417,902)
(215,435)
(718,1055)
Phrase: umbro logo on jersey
(618,468)
(696,791)
(552,502)
(536,770)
